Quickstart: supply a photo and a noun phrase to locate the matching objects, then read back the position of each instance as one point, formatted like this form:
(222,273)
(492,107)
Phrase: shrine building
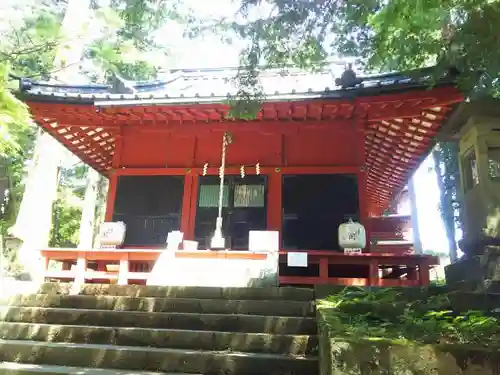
(315,156)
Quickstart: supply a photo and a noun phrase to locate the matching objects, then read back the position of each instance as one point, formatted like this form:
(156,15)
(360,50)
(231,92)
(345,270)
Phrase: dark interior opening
(313,208)
(150,207)
(244,209)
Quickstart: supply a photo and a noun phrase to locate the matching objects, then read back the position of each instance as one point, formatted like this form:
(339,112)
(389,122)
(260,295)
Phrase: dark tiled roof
(216,85)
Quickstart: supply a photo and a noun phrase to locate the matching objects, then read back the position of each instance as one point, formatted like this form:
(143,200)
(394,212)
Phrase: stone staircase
(139,330)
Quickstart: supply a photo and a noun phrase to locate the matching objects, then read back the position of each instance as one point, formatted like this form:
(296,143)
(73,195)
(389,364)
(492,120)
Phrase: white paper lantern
(112,233)
(352,235)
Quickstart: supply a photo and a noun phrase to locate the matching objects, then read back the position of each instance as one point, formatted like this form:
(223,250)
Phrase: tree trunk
(87,224)
(417,243)
(443,156)
(100,212)
(34,219)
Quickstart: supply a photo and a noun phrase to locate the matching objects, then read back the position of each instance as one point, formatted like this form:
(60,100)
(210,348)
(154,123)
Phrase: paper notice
(297,259)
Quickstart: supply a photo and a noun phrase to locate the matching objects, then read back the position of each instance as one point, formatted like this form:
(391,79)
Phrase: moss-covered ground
(424,316)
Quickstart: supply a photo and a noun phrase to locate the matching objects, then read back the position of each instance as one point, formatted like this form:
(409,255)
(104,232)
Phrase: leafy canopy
(119,39)
(385,35)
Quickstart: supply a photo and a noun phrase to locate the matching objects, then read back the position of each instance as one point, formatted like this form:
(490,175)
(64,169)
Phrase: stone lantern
(476,128)
(479,157)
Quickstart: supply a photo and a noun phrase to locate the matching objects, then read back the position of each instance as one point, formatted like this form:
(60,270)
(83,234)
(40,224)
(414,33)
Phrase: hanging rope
(225,142)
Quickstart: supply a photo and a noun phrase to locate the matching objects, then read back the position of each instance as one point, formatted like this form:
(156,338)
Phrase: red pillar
(188,201)
(113,178)
(362,180)
(274,203)
(110,199)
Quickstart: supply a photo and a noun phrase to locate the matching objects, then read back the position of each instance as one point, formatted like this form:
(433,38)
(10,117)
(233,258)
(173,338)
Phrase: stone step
(162,338)
(12,368)
(183,305)
(188,321)
(282,293)
(155,359)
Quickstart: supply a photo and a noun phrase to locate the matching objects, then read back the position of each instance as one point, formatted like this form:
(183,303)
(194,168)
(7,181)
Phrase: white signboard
(263,240)
(297,259)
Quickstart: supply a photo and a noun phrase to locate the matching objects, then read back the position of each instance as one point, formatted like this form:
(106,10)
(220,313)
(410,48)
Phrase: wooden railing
(126,264)
(135,265)
(389,234)
(81,273)
(384,270)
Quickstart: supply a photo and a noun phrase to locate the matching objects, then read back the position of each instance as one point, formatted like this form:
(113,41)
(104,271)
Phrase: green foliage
(427,317)
(30,46)
(121,40)
(66,226)
(14,117)
(68,206)
(128,42)
(247,101)
(384,35)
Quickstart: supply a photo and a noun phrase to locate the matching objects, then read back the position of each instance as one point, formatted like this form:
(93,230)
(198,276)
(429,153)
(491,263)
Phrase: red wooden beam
(274,203)
(84,138)
(186,205)
(193,205)
(110,199)
(265,170)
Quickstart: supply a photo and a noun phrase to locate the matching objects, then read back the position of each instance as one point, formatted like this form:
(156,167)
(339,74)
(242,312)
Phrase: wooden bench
(416,268)
(81,273)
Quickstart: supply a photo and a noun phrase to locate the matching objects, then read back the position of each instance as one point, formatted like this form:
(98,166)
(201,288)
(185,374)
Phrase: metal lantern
(352,235)
(112,234)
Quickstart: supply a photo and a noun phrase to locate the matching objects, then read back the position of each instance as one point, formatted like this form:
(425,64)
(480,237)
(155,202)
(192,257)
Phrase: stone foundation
(170,270)
(476,273)
(377,357)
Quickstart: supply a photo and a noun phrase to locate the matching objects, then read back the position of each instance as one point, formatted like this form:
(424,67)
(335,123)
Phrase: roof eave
(129,100)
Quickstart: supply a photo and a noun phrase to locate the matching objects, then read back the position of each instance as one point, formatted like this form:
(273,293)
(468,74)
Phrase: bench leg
(423,274)
(44,267)
(123,271)
(81,268)
(323,270)
(373,270)
(412,275)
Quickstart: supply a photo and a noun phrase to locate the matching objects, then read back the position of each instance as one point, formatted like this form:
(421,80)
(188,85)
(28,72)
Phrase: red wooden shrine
(378,133)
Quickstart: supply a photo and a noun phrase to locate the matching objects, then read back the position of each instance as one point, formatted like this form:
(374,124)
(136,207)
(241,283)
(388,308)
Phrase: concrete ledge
(284,293)
(212,322)
(183,305)
(152,359)
(12,368)
(161,338)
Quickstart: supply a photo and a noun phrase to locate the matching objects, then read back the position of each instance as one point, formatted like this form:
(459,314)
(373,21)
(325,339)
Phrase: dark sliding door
(150,206)
(313,208)
(244,209)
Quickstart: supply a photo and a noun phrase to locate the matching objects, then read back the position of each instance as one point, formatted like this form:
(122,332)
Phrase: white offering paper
(297,259)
